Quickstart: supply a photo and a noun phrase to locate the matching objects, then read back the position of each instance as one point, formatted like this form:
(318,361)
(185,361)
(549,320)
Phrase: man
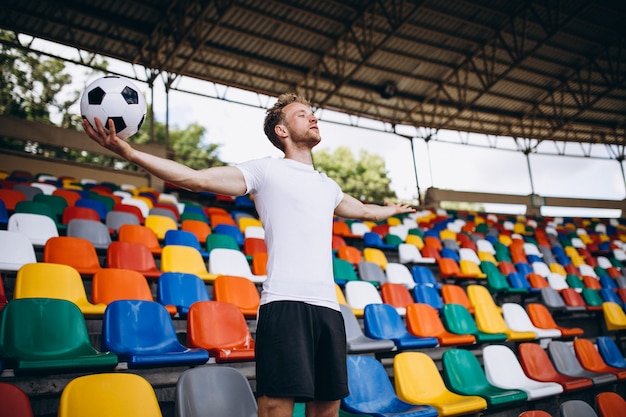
(300,338)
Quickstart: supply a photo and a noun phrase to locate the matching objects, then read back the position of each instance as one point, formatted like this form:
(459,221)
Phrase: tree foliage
(31,87)
(365,178)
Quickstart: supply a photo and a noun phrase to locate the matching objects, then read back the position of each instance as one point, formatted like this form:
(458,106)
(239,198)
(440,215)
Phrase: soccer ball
(114,98)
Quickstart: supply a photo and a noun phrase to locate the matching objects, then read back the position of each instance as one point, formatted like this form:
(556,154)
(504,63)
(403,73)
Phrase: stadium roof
(536,69)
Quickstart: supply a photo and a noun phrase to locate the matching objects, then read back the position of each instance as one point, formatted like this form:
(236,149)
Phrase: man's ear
(280,131)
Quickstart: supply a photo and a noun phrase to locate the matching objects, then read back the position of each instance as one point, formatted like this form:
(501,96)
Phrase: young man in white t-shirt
(300,339)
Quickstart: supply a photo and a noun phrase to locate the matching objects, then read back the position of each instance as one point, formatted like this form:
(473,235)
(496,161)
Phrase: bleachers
(492,299)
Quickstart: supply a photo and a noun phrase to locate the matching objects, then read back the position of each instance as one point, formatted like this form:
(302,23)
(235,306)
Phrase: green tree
(365,178)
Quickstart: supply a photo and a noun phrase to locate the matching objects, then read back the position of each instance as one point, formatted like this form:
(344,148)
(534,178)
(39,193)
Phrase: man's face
(302,124)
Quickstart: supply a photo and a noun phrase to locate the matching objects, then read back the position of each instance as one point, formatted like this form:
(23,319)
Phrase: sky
(444,163)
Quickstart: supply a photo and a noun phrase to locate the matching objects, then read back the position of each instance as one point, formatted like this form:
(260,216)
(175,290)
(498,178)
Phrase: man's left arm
(351,208)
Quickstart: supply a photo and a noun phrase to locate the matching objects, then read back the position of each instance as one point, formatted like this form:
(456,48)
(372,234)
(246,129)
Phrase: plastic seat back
(181,290)
(37,227)
(142,334)
(11,198)
(231,230)
(350,254)
(517,319)
(382,321)
(375,255)
(184,238)
(160,225)
(140,234)
(423,320)
(361,293)
(418,381)
(396,295)
(464,375)
(15,402)
(94,231)
(200,228)
(503,370)
(590,359)
(371,272)
(232,262)
(176,258)
(610,352)
(576,408)
(220,328)
(614,316)
(109,394)
(343,271)
(55,339)
(134,256)
(16,250)
(224,391)
(428,295)
(239,291)
(455,294)
(610,404)
(490,320)
(564,360)
(77,252)
(371,391)
(50,280)
(355,338)
(399,274)
(423,275)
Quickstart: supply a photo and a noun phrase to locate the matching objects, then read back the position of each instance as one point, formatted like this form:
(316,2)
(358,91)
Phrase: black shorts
(300,352)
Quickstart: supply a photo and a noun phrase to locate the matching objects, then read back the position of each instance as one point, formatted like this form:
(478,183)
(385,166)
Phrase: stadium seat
(423,275)
(356,340)
(232,262)
(160,225)
(134,256)
(78,212)
(343,271)
(517,319)
(200,228)
(239,291)
(231,230)
(375,241)
(176,258)
(464,375)
(15,402)
(109,394)
(503,370)
(181,290)
(99,206)
(610,352)
(590,359)
(614,316)
(455,294)
(576,408)
(423,320)
(115,220)
(538,366)
(480,295)
(140,234)
(371,272)
(350,254)
(50,280)
(565,362)
(542,318)
(112,284)
(371,392)
(219,240)
(223,390)
(457,319)
(396,295)
(252,245)
(55,340)
(418,381)
(16,250)
(77,252)
(184,238)
(383,322)
(38,227)
(428,295)
(94,231)
(11,197)
(361,293)
(399,274)
(410,254)
(131,209)
(490,320)
(142,334)
(610,404)
(220,328)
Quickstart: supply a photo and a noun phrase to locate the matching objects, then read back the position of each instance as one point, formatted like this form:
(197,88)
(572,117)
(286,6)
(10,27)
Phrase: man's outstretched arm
(221,180)
(351,208)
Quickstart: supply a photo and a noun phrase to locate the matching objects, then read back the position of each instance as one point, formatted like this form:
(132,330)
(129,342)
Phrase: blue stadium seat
(382,321)
(372,393)
(142,334)
(181,290)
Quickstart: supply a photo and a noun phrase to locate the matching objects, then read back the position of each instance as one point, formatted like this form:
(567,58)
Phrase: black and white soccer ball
(115,98)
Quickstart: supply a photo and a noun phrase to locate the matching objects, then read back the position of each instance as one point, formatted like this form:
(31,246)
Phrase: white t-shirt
(296,205)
